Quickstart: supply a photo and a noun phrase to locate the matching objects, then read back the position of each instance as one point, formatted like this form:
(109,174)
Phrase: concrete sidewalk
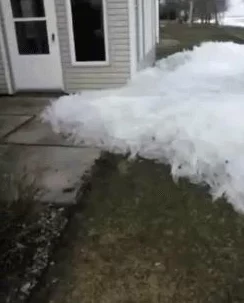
(30,148)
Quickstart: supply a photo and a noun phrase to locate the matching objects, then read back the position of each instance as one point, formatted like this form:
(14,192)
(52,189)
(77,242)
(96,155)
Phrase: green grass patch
(142,238)
(195,35)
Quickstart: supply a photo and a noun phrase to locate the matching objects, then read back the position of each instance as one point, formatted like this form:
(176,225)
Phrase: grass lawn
(143,238)
(191,36)
(138,237)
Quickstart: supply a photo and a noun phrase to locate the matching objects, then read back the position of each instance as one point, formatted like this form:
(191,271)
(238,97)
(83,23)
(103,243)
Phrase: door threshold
(44,94)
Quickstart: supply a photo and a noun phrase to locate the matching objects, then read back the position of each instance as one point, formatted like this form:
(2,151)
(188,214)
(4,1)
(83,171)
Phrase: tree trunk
(190,20)
(216,14)
(216,19)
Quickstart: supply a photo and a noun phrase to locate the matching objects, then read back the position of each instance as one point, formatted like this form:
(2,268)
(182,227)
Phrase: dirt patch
(29,231)
(143,238)
(26,242)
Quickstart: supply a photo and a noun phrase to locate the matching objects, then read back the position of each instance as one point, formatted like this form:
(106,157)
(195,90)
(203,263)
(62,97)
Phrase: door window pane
(27,8)
(88,29)
(32,37)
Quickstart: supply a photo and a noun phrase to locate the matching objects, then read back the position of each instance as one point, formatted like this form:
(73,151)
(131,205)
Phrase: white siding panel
(3,81)
(117,72)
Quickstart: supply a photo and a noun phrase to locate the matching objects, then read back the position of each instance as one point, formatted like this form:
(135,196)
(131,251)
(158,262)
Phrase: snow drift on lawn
(235,8)
(235,14)
(188,111)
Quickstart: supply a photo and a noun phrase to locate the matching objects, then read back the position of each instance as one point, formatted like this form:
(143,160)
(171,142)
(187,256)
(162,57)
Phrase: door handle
(53,37)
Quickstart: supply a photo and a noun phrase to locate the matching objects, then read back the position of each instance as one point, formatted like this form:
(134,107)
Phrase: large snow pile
(188,112)
(235,8)
(235,14)
(233,21)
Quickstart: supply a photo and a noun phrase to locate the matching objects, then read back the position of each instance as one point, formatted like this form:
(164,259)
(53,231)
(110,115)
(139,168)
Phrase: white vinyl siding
(117,72)
(3,81)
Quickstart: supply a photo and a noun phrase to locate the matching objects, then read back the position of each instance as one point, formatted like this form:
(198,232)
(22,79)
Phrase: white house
(71,45)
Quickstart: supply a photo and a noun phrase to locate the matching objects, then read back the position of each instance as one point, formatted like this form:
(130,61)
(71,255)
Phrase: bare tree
(207,10)
(191,9)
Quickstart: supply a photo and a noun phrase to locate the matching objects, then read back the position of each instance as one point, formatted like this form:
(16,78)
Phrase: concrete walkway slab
(57,171)
(37,132)
(9,123)
(3,150)
(23,105)
(30,150)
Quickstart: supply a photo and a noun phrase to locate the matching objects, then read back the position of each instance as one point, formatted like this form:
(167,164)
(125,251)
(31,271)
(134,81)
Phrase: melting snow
(188,112)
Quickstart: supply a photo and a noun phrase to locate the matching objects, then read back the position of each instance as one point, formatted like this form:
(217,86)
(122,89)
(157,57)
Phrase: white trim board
(157,22)
(72,41)
(141,33)
(5,58)
(132,36)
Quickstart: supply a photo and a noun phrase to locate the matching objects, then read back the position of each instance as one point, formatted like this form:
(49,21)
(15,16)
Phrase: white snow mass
(235,8)
(187,111)
(235,14)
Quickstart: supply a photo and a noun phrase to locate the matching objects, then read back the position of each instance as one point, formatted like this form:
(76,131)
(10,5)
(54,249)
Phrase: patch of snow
(235,8)
(233,21)
(235,14)
(187,111)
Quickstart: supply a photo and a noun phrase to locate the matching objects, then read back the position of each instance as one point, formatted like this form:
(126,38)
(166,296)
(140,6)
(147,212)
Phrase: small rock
(168,232)
(20,246)
(26,288)
(157,264)
(210,270)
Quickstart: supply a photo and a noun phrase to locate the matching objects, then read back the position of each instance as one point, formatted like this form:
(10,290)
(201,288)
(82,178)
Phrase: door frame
(9,61)
(3,52)
(141,29)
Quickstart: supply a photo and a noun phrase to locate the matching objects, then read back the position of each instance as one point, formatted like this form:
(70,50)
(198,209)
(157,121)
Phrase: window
(32,37)
(30,27)
(88,34)
(27,8)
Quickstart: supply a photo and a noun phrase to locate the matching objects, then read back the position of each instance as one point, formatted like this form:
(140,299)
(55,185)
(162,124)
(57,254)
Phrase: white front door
(33,45)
